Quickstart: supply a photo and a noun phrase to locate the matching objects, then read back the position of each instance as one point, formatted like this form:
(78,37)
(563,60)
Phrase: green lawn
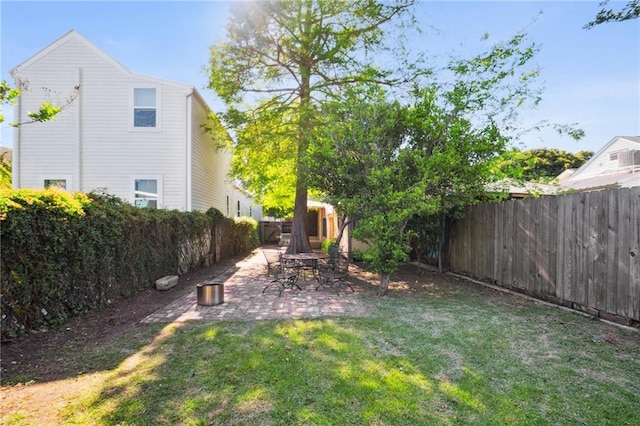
(457,357)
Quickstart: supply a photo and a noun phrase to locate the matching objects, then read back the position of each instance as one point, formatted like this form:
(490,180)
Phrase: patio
(244,300)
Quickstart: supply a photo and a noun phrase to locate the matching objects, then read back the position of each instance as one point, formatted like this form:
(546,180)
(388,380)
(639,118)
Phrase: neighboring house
(137,137)
(616,165)
(521,189)
(321,224)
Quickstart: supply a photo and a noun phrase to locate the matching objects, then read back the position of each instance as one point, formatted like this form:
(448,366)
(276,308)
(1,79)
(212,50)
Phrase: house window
(147,192)
(613,156)
(145,107)
(227,205)
(62,181)
(238,208)
(629,158)
(58,183)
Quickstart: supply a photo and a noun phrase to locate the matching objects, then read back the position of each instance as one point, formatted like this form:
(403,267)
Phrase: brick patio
(244,300)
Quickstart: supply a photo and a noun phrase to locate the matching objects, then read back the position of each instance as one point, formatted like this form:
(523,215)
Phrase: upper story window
(145,107)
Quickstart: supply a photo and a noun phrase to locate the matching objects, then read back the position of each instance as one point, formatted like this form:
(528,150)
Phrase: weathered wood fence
(580,250)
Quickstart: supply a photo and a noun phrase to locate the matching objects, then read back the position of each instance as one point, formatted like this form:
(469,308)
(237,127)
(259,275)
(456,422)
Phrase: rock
(165,283)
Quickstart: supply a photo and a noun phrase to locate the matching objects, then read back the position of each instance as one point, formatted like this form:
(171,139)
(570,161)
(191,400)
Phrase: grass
(442,358)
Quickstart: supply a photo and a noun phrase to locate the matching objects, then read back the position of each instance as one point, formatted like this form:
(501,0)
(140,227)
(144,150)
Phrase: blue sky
(591,78)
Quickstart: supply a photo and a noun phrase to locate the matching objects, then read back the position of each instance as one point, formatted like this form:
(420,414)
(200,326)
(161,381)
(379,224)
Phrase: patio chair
(332,275)
(329,263)
(279,272)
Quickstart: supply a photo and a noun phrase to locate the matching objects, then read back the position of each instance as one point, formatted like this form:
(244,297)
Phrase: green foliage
(64,254)
(539,165)
(5,172)
(423,234)
(47,111)
(245,235)
(281,61)
(8,95)
(630,11)
(44,113)
(382,163)
(327,245)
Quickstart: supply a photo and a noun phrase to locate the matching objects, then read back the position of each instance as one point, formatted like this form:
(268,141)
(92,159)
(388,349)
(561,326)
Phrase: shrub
(245,235)
(64,254)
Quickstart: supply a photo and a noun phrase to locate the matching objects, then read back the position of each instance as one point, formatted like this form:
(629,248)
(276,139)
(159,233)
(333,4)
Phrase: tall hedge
(64,254)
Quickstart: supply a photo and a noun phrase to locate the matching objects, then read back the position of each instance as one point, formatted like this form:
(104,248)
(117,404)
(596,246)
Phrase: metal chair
(279,271)
(335,272)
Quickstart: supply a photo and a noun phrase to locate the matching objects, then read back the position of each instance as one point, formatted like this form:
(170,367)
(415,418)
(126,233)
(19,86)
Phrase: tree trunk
(344,222)
(299,240)
(384,284)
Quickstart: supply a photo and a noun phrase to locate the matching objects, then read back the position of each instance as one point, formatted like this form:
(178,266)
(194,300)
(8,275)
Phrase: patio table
(304,261)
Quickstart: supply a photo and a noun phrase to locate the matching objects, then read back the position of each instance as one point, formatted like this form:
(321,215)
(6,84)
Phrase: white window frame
(157,178)
(65,177)
(158,127)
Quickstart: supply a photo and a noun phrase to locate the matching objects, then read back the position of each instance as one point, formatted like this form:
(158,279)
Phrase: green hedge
(65,254)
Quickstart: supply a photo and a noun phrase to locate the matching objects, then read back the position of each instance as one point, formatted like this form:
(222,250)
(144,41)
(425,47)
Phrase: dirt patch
(39,356)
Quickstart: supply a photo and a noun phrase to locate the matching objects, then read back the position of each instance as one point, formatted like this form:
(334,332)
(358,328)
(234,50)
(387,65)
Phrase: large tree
(385,162)
(280,62)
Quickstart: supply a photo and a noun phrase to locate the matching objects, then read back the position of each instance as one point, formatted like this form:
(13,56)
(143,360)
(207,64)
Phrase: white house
(616,165)
(137,137)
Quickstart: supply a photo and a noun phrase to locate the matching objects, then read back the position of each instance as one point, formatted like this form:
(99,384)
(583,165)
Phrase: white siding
(247,206)
(103,143)
(49,148)
(209,165)
(94,144)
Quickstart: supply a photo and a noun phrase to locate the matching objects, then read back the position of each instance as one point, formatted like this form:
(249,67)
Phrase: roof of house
(614,180)
(519,188)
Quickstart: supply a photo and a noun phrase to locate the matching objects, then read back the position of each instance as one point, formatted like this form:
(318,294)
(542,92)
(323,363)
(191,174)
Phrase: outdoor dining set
(327,270)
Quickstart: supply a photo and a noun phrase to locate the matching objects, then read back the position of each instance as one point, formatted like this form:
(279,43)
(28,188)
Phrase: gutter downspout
(15,155)
(189,153)
(78,141)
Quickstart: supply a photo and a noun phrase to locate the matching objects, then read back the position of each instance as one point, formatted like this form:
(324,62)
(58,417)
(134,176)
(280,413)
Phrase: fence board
(582,225)
(622,260)
(507,244)
(582,249)
(634,254)
(552,230)
(600,225)
(611,262)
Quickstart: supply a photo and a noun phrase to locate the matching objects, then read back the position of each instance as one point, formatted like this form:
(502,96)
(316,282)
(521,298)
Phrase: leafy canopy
(280,62)
(382,162)
(540,164)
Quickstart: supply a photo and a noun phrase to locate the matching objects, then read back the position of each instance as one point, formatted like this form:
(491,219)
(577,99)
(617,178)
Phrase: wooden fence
(580,250)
